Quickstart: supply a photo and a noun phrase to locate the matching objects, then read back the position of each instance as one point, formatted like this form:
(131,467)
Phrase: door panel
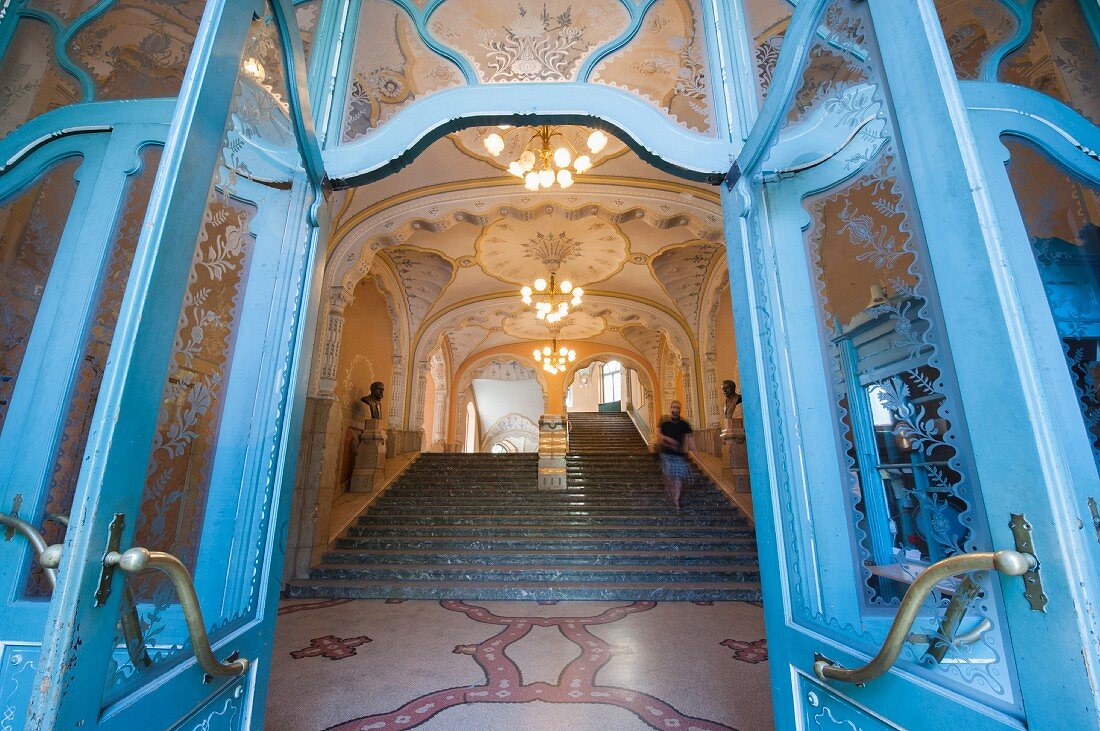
(896,417)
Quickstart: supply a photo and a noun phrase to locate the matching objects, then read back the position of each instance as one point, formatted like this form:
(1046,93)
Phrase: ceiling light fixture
(554,358)
(540,164)
(552,300)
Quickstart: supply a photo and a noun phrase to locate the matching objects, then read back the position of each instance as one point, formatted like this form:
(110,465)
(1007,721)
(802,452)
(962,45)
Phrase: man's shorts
(675,467)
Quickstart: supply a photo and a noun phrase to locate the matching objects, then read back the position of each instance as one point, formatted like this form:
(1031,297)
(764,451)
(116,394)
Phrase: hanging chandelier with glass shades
(541,164)
(552,300)
(555,359)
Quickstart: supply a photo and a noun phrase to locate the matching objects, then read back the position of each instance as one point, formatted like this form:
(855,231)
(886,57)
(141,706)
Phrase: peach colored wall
(427,419)
(366,348)
(725,346)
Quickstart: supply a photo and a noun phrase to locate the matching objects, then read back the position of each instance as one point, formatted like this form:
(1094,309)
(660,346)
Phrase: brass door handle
(139,559)
(38,543)
(1010,563)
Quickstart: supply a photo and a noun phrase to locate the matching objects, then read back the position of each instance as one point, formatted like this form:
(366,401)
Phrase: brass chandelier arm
(38,543)
(136,560)
(1010,563)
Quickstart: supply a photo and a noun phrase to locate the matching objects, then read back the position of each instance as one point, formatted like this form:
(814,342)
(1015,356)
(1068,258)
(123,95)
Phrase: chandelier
(553,358)
(540,165)
(551,300)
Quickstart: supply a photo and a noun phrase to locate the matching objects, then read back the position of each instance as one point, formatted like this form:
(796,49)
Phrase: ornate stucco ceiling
(458,236)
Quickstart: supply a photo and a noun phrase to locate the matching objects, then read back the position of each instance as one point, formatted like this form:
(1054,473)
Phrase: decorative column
(339,299)
(553,442)
(397,392)
(710,390)
(689,389)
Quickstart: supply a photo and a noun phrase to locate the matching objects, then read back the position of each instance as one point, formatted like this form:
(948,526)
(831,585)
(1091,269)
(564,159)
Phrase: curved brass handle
(38,543)
(1011,563)
(139,559)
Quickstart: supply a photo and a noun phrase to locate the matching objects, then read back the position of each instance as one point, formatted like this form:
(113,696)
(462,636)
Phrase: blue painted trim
(420,19)
(338,98)
(297,86)
(785,81)
(1061,131)
(655,137)
(80,119)
(637,17)
(1024,12)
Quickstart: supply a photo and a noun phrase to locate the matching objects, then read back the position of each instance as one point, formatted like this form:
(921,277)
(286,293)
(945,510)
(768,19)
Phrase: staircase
(475,526)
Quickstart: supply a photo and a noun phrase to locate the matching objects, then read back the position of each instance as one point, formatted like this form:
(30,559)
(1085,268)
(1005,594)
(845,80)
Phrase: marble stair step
(552,519)
(530,573)
(514,542)
(534,531)
(556,591)
(467,557)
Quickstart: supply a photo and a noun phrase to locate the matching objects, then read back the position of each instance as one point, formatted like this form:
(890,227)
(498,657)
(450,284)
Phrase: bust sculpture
(733,399)
(374,400)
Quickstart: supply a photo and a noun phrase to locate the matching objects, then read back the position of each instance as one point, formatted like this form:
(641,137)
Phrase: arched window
(612,382)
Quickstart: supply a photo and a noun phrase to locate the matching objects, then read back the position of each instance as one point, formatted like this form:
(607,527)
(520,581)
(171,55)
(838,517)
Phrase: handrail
(38,543)
(138,559)
(1010,563)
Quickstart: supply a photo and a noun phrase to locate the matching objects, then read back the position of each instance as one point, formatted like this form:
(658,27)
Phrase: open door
(905,428)
(169,572)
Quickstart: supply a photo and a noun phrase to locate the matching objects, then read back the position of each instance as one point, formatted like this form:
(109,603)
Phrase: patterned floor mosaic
(361,665)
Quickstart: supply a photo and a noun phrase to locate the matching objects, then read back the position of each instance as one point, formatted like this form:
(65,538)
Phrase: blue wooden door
(915,283)
(181,269)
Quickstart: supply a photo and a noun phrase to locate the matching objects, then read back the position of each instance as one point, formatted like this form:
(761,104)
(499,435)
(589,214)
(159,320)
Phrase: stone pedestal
(370,457)
(735,455)
(553,442)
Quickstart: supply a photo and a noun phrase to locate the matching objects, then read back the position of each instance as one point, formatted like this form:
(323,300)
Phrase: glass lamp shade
(538,355)
(546,350)
(525,291)
(578,292)
(494,143)
(572,355)
(597,141)
(541,315)
(540,284)
(582,164)
(562,157)
(516,169)
(567,286)
(546,178)
(531,181)
(527,160)
(565,178)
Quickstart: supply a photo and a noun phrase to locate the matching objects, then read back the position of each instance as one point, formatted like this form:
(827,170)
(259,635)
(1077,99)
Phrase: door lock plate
(114,543)
(1033,592)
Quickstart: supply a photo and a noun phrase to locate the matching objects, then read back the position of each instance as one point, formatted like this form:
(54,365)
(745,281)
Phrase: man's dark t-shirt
(677,429)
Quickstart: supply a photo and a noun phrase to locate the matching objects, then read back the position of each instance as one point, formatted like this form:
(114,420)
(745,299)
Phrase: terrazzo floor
(508,666)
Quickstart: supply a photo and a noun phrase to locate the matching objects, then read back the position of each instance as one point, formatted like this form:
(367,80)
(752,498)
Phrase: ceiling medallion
(551,299)
(554,359)
(540,164)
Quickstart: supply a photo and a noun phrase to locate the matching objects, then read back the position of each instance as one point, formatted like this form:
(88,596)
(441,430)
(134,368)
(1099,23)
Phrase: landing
(452,665)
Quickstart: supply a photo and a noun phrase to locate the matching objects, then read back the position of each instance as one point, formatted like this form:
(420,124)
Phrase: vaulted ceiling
(457,236)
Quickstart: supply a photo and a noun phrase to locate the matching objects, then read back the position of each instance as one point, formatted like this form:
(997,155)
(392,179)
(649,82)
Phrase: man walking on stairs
(676,442)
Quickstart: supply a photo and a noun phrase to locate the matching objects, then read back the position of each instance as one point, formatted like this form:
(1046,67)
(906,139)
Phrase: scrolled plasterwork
(682,271)
(527,41)
(578,326)
(504,370)
(424,275)
(583,250)
(353,253)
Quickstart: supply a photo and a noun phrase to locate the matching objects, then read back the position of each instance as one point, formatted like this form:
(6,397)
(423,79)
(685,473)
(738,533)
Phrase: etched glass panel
(31,225)
(1059,57)
(308,14)
(903,453)
(391,68)
(668,64)
(31,81)
(184,500)
(508,41)
(975,30)
(767,24)
(138,48)
(97,346)
(1062,216)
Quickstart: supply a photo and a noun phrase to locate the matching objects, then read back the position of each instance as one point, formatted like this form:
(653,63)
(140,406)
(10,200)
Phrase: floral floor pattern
(377,666)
